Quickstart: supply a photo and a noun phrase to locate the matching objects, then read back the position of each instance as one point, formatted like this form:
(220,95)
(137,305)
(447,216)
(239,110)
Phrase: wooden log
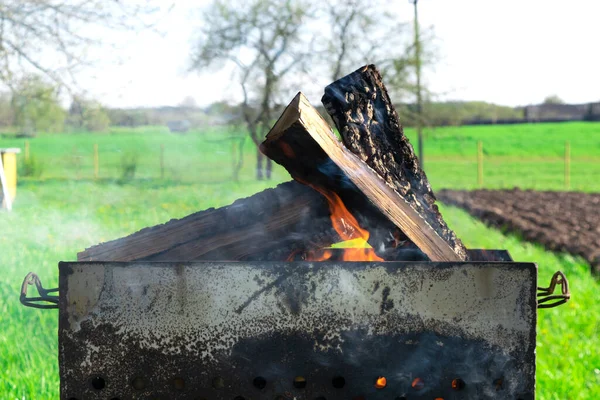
(272,223)
(306,146)
(362,111)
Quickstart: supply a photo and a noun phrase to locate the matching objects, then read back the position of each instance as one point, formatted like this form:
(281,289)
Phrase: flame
(381,382)
(347,228)
(458,384)
(418,384)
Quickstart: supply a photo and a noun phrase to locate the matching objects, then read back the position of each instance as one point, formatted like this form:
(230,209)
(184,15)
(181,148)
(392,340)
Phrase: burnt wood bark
(362,111)
(306,146)
(267,226)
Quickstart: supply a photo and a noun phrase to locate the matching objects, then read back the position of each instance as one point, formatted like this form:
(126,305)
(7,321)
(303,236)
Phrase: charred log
(305,145)
(362,111)
(272,223)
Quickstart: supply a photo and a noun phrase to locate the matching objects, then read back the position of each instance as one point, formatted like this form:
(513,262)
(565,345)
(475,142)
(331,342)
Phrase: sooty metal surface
(297,330)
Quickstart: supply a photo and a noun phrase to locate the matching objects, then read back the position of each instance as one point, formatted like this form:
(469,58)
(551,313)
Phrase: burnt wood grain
(365,117)
(305,145)
(272,223)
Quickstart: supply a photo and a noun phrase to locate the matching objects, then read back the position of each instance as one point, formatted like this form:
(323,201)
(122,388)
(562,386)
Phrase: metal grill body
(297,330)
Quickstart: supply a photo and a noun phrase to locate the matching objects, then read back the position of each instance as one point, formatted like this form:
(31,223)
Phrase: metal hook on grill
(546,296)
(45,296)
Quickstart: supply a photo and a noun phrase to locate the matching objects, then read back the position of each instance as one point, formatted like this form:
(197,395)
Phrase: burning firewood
(362,111)
(306,146)
(269,225)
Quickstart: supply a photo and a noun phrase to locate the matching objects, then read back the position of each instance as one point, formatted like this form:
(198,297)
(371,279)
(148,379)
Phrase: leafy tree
(36,106)
(6,111)
(88,115)
(553,99)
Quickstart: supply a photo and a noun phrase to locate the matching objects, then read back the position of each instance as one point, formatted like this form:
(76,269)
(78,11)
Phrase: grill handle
(45,299)
(546,296)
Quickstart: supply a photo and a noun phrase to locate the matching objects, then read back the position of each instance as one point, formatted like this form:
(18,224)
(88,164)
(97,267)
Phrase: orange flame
(347,228)
(380,383)
(418,384)
(458,384)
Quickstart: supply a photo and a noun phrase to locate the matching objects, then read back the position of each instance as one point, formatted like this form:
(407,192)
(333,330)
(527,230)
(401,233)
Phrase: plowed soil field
(561,221)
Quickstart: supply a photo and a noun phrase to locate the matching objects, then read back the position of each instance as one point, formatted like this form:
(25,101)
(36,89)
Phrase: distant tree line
(33,106)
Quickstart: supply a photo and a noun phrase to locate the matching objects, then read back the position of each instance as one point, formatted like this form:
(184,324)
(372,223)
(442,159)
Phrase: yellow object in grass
(9,186)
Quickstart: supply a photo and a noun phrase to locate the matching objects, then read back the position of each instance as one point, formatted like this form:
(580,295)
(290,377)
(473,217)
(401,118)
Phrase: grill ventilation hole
(178,383)
(458,384)
(98,382)
(299,382)
(499,384)
(279,397)
(418,384)
(218,383)
(138,383)
(401,398)
(320,398)
(380,382)
(338,382)
(259,382)
(239,398)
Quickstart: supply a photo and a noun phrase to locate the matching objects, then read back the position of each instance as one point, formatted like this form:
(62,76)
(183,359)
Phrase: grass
(56,216)
(568,360)
(527,156)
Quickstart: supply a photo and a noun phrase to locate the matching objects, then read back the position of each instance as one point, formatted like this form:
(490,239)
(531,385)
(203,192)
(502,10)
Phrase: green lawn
(55,216)
(527,156)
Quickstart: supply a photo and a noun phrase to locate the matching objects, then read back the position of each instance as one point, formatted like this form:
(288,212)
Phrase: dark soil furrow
(561,221)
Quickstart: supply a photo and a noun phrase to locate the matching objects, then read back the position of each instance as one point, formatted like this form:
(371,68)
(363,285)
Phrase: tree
(6,111)
(88,115)
(264,39)
(553,99)
(36,106)
(273,42)
(52,37)
(360,33)
(367,33)
(188,102)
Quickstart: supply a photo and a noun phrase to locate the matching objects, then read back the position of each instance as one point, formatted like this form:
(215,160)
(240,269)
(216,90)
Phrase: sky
(509,52)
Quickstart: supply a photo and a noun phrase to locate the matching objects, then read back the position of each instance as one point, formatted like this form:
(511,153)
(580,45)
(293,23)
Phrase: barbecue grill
(298,330)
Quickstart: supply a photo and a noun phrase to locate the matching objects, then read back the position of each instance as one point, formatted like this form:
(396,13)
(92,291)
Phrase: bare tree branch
(263,39)
(52,37)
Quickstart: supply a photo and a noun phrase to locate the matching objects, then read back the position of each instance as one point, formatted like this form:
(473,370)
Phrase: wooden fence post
(568,165)
(162,161)
(76,163)
(27,151)
(480,163)
(96,161)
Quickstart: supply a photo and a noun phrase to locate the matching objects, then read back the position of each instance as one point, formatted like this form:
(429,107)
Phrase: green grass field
(527,156)
(55,216)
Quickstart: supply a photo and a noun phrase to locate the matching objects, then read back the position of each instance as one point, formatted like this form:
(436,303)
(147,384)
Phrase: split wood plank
(306,146)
